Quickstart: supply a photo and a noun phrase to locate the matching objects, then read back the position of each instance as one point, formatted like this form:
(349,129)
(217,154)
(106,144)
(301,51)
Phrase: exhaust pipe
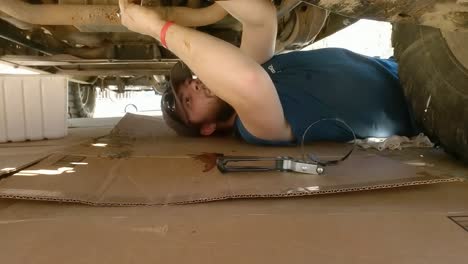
(103,15)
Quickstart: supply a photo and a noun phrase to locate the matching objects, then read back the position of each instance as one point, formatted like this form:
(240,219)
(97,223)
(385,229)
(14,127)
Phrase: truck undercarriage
(38,33)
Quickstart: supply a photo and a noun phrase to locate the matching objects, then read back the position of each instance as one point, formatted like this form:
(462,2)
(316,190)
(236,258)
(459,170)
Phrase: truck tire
(81,100)
(433,69)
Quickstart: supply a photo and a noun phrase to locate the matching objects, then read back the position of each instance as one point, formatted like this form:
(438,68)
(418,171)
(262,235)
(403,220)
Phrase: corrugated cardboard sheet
(143,163)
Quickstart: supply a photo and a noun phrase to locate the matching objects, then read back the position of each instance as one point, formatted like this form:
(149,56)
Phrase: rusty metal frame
(93,67)
(81,15)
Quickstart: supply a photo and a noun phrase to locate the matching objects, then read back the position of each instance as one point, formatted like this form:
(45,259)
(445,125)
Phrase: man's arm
(259,26)
(227,71)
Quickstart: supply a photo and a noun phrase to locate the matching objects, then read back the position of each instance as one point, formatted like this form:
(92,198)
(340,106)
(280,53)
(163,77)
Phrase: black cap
(173,112)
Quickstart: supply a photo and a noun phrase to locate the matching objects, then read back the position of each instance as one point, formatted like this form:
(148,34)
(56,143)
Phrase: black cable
(311,157)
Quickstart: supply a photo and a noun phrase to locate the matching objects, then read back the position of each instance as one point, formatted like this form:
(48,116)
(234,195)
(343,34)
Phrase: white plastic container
(32,107)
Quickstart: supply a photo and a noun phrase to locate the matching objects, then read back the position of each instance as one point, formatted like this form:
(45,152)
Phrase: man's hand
(139,19)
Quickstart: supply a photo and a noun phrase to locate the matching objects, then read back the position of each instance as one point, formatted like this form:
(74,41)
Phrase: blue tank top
(336,83)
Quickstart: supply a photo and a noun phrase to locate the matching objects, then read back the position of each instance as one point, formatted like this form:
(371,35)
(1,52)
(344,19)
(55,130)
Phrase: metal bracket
(256,164)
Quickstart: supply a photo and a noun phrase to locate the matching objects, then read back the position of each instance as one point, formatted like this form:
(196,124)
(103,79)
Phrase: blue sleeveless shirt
(336,83)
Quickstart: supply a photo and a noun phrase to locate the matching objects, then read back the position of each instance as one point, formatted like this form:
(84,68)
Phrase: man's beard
(225,112)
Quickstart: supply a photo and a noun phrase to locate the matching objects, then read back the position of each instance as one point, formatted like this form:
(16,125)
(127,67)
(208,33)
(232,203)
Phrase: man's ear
(208,129)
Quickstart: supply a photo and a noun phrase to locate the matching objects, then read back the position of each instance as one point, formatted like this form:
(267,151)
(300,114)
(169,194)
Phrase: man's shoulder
(308,58)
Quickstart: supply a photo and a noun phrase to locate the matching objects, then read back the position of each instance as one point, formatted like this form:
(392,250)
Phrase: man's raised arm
(259,26)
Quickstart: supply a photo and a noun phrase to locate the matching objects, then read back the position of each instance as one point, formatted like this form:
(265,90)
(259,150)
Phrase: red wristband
(164,32)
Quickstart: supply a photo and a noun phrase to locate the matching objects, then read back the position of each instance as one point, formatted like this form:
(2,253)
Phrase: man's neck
(228,124)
